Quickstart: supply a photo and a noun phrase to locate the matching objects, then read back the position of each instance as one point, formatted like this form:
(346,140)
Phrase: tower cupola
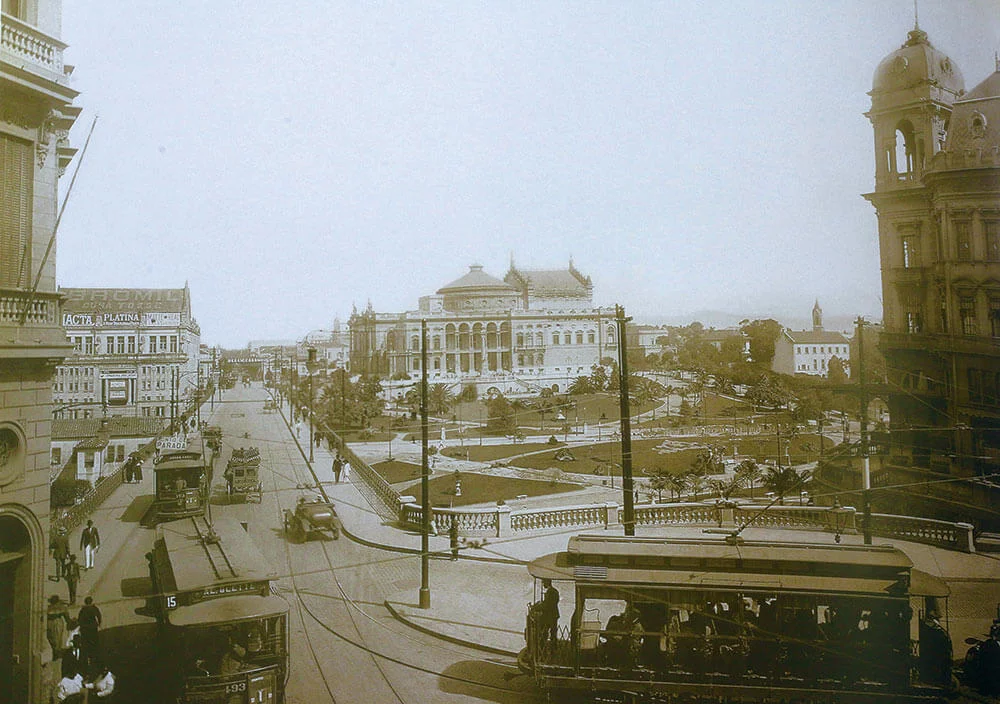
(912,95)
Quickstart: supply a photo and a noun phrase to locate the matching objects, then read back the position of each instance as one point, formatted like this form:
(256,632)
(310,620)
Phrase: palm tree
(782,481)
(749,472)
(697,483)
(678,483)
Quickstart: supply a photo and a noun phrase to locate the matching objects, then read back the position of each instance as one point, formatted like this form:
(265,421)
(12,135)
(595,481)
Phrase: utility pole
(626,423)
(866,477)
(425,503)
(310,363)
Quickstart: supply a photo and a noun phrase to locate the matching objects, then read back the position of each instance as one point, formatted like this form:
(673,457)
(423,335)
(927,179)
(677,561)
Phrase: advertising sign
(175,442)
(117,392)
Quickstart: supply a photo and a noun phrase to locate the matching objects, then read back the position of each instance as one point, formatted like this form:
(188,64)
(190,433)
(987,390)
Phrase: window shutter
(16,177)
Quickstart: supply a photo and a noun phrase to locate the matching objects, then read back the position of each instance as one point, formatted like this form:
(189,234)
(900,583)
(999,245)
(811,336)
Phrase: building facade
(810,351)
(36,113)
(937,197)
(135,352)
(534,329)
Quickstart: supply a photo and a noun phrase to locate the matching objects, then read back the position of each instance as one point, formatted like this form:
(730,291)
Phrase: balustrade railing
(43,309)
(564,517)
(955,536)
(29,44)
(376,490)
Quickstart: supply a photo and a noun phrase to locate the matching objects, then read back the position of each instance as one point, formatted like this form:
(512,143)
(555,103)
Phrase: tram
(734,621)
(217,615)
(182,482)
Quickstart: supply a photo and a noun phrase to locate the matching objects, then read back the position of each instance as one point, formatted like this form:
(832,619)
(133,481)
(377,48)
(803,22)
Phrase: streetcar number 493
(236,687)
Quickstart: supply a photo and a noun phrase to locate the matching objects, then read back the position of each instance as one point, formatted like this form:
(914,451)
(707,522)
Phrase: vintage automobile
(270,405)
(243,474)
(311,517)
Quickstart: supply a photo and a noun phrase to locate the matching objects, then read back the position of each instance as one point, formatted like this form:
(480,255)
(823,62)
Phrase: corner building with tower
(36,114)
(937,197)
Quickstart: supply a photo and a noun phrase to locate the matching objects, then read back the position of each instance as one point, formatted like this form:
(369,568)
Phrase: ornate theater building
(533,329)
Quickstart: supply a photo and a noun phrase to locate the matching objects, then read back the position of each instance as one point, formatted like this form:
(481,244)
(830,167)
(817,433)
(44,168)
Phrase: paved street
(345,644)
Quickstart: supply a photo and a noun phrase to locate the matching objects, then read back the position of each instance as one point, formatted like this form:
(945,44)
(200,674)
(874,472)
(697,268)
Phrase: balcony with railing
(31,50)
(30,325)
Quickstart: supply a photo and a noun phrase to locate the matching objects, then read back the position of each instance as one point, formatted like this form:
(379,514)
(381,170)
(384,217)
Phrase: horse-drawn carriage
(311,517)
(243,473)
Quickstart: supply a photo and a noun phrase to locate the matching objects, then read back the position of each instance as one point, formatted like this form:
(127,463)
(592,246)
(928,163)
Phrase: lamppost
(310,367)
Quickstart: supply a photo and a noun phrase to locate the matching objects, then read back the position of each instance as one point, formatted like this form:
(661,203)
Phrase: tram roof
(557,567)
(708,563)
(233,608)
(582,546)
(189,563)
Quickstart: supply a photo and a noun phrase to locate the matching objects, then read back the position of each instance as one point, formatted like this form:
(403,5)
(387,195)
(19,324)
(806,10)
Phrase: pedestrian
(72,577)
(453,538)
(59,545)
(89,619)
(338,467)
(56,622)
(346,471)
(103,683)
(72,660)
(137,467)
(90,543)
(127,471)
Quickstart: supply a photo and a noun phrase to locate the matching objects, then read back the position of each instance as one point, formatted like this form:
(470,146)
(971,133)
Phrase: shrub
(66,492)
(552,440)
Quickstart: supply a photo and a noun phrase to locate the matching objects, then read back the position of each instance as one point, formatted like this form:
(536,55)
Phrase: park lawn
(394,471)
(722,409)
(592,458)
(365,435)
(486,488)
(803,448)
(489,453)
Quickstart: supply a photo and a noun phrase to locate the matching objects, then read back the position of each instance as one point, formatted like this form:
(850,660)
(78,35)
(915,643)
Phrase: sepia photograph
(450,352)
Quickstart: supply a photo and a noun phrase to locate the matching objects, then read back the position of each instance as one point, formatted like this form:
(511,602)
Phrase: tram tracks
(351,605)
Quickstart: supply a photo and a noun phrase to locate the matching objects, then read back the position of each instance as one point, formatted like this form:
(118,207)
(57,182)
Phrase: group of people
(67,567)
(76,643)
(133,469)
(341,468)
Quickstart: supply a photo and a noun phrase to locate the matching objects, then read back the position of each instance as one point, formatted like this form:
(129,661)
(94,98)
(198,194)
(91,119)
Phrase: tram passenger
(622,638)
(550,612)
(233,659)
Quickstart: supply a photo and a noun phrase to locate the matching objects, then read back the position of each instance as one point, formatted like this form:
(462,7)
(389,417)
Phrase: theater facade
(531,330)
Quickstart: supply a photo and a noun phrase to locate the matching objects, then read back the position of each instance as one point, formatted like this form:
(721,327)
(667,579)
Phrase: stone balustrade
(24,43)
(501,521)
(42,309)
(954,536)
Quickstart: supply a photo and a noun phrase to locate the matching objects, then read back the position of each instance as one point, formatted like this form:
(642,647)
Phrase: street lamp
(839,514)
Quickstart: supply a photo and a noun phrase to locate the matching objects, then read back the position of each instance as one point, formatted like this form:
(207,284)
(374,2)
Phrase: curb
(451,639)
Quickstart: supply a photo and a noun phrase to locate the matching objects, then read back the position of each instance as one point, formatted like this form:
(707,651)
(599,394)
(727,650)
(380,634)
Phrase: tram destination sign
(195,596)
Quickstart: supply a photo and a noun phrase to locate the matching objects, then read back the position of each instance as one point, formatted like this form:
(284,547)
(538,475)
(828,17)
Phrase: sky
(292,161)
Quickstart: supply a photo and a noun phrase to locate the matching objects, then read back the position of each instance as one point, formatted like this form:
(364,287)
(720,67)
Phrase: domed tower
(912,95)
(937,189)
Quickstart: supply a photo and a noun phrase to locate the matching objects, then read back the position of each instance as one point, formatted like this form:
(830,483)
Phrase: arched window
(520,339)
(567,338)
(905,154)
(555,338)
(579,337)
(415,343)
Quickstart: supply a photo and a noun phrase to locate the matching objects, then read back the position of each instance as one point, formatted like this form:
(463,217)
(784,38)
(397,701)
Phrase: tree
(696,482)
(725,488)
(500,415)
(439,400)
(782,481)
(836,372)
(706,463)
(762,334)
(659,481)
(678,484)
(598,377)
(581,385)
(749,473)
